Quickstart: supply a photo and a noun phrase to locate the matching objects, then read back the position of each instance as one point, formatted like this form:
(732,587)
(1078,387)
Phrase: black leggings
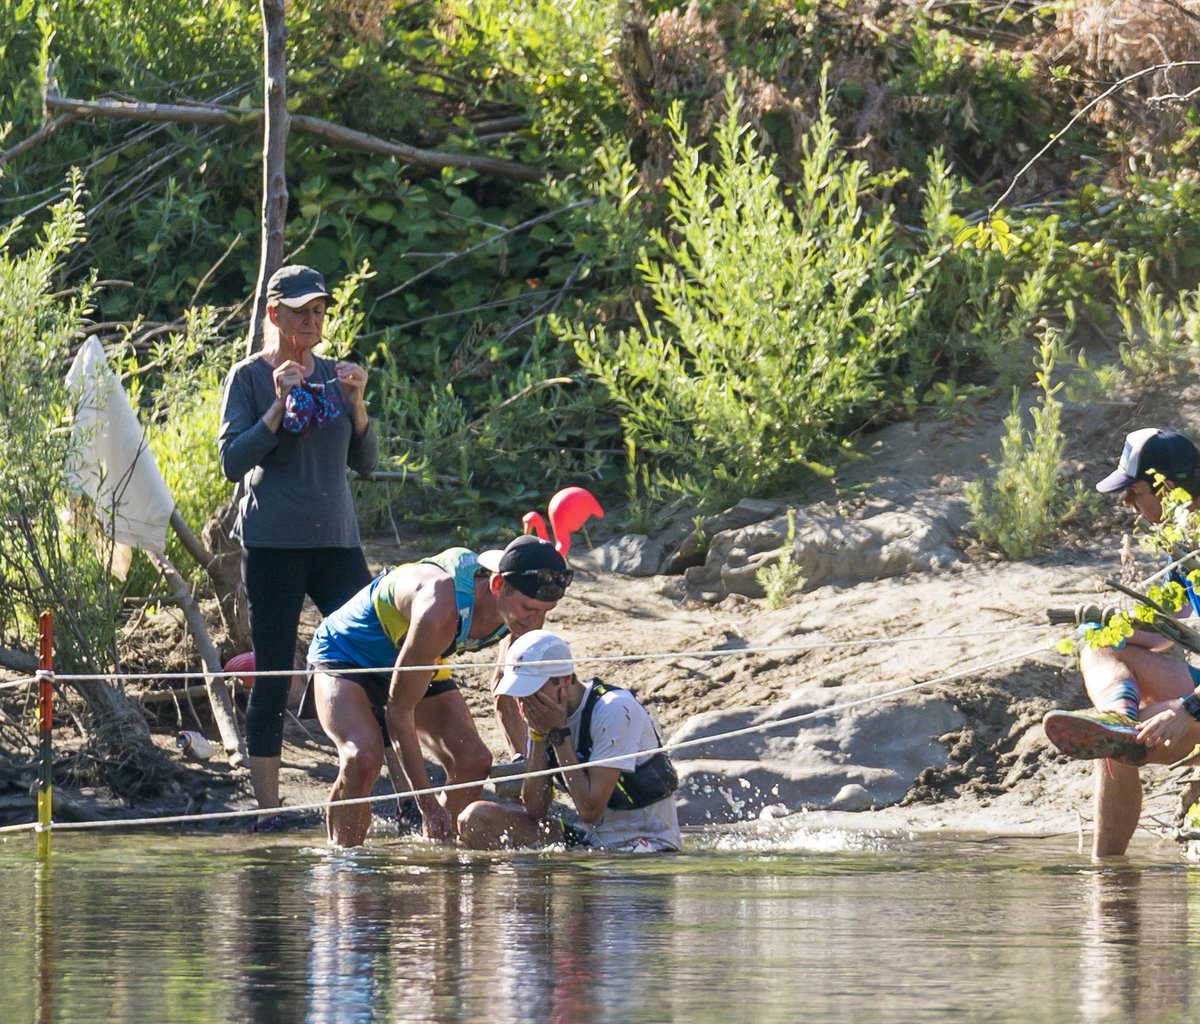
(277,579)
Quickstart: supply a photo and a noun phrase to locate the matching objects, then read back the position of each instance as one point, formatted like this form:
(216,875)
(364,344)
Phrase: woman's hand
(286,376)
(353,379)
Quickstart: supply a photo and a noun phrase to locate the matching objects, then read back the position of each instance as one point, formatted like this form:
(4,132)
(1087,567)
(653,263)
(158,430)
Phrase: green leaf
(381,211)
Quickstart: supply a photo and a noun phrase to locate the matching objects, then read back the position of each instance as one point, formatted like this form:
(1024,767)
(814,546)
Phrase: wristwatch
(1191,704)
(556,736)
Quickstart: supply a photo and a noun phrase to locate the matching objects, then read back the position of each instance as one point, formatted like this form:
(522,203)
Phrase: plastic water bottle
(194,745)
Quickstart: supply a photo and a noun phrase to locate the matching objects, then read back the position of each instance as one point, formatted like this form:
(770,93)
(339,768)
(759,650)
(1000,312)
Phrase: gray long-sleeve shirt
(296,493)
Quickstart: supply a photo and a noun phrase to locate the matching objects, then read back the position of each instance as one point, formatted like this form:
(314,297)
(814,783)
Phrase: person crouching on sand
(1146,707)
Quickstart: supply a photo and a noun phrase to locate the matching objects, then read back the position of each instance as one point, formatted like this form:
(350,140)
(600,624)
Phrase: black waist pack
(647,784)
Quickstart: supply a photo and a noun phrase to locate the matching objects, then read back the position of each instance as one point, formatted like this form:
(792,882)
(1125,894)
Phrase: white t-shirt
(620,725)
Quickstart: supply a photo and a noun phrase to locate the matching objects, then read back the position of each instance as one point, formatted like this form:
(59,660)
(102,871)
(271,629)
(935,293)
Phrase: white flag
(112,463)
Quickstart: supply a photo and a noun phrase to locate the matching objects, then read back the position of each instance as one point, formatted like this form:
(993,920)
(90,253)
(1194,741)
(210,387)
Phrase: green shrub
(781,578)
(1159,336)
(481,462)
(551,58)
(982,104)
(988,284)
(1021,507)
(45,565)
(188,372)
(774,319)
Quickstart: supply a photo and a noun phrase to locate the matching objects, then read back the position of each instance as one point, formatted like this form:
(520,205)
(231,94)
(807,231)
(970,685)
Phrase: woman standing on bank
(291,422)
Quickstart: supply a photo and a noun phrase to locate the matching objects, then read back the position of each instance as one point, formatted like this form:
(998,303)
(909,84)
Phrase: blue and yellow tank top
(369,630)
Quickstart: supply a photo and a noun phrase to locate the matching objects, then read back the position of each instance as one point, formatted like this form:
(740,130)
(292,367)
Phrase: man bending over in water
(414,617)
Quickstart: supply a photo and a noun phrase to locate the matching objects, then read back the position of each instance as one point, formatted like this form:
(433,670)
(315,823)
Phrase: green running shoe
(1089,735)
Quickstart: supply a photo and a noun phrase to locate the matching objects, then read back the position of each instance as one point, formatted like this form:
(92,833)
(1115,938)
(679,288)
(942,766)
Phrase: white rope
(1170,566)
(667,747)
(734,652)
(21,683)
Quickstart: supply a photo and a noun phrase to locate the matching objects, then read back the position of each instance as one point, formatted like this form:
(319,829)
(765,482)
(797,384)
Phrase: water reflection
(1137,946)
(481,941)
(203,929)
(44,940)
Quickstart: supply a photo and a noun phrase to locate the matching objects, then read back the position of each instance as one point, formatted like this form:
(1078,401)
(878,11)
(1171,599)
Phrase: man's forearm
(588,788)
(535,793)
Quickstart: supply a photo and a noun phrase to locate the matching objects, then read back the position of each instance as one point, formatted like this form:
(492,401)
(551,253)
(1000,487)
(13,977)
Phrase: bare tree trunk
(225,571)
(275,132)
(225,568)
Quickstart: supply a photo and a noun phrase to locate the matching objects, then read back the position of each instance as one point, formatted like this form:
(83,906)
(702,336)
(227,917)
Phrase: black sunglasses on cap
(541,584)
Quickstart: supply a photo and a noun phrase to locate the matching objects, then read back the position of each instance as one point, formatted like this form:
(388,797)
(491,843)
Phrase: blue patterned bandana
(310,405)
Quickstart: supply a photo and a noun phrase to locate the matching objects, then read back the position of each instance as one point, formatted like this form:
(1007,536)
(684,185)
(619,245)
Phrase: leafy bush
(776,319)
(44,564)
(981,104)
(549,58)
(781,578)
(983,297)
(1021,507)
(1159,336)
(162,192)
(188,370)
(464,461)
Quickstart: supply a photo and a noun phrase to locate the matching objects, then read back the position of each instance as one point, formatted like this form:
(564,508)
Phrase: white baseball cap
(532,659)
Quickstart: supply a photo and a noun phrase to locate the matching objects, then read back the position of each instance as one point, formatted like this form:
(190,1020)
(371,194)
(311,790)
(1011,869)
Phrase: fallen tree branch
(18,661)
(43,133)
(165,696)
(1176,5)
(327,130)
(191,543)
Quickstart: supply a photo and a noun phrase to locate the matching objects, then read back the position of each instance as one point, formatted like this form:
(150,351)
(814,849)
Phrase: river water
(799,927)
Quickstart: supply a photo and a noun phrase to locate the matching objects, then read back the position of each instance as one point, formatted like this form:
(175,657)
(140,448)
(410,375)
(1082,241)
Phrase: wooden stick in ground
(218,692)
(191,543)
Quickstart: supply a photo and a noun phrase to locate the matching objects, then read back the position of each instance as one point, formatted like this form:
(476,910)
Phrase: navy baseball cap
(1152,451)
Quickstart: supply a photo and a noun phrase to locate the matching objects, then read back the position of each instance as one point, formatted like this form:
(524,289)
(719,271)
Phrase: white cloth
(111,462)
(620,725)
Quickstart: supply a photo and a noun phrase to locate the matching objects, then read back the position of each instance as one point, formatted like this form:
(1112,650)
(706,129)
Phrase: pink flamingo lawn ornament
(569,509)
